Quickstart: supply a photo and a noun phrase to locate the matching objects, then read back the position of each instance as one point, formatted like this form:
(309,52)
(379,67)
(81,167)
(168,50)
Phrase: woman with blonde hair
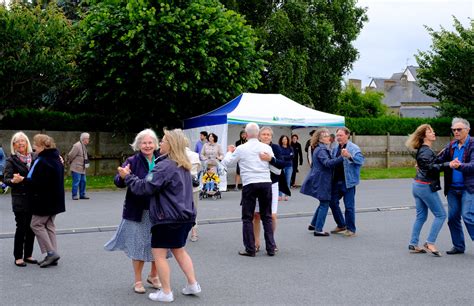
(20,163)
(425,189)
(45,183)
(172,211)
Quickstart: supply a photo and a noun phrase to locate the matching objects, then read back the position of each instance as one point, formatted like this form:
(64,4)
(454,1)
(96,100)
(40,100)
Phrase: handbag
(196,182)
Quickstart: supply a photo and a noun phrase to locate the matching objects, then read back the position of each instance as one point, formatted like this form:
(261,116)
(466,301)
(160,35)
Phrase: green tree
(310,43)
(37,51)
(355,104)
(447,70)
(154,63)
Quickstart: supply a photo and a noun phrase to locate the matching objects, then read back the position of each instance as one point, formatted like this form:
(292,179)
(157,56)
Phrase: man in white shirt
(255,175)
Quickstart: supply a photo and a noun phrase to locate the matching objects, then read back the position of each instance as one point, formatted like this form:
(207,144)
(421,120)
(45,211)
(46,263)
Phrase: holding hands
(17,178)
(455,163)
(123,172)
(231,148)
(345,153)
(265,156)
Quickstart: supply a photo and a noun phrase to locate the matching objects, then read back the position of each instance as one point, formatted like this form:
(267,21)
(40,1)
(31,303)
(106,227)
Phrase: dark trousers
(24,236)
(250,194)
(293,174)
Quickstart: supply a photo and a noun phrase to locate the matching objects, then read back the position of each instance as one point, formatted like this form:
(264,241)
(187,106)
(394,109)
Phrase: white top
(252,168)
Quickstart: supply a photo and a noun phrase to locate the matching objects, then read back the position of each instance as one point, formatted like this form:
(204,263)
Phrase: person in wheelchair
(210,181)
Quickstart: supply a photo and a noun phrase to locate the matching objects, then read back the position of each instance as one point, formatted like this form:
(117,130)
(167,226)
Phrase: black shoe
(49,260)
(30,261)
(310,228)
(271,253)
(321,234)
(84,198)
(21,264)
(245,253)
(454,251)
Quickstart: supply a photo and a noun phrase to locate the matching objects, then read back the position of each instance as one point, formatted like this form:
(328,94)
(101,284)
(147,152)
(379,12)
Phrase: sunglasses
(457,130)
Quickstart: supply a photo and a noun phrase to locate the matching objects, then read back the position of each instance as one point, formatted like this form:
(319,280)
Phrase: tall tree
(153,63)
(447,70)
(311,45)
(37,56)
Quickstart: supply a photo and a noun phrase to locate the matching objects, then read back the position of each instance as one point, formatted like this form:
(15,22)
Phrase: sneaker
(161,296)
(191,289)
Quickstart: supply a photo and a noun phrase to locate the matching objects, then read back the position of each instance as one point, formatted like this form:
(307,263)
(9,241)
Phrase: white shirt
(252,168)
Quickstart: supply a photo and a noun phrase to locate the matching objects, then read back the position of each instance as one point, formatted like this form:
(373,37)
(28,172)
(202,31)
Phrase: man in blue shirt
(459,183)
(202,140)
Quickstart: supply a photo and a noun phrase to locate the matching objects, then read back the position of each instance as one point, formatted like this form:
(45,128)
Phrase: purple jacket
(467,167)
(134,205)
(171,191)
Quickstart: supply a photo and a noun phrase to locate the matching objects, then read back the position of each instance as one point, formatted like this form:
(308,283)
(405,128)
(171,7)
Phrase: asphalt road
(372,268)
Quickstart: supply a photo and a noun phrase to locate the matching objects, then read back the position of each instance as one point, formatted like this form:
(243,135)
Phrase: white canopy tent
(275,110)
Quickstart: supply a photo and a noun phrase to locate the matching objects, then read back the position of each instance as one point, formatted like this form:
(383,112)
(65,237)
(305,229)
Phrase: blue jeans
(209,186)
(319,217)
(78,182)
(460,204)
(339,190)
(288,171)
(426,199)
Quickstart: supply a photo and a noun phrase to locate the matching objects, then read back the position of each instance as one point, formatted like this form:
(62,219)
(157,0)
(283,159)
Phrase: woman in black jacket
(19,163)
(45,182)
(425,189)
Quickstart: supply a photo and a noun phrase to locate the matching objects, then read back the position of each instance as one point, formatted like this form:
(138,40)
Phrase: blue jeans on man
(78,182)
(339,191)
(460,204)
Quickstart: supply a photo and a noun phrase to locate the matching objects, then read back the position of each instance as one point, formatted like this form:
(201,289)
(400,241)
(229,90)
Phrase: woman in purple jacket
(172,210)
(133,235)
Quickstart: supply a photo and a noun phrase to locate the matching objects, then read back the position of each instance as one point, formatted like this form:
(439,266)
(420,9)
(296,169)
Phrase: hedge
(34,119)
(398,126)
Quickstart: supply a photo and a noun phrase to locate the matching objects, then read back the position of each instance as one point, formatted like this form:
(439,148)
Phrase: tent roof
(264,109)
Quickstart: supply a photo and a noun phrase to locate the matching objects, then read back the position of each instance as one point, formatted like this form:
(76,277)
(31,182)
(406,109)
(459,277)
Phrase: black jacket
(428,167)
(20,200)
(46,184)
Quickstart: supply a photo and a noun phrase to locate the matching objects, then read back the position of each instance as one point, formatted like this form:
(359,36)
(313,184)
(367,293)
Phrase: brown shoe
(338,230)
(348,233)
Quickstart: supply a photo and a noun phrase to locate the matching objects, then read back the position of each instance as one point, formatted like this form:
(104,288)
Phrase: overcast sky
(395,32)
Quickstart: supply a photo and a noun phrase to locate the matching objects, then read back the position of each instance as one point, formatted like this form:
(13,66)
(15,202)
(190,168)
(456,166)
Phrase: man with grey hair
(257,184)
(459,183)
(79,162)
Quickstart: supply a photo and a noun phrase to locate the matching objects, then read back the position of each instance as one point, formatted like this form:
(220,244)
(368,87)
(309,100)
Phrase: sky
(395,32)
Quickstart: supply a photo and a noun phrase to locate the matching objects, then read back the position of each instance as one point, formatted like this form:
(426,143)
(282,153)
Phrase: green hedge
(397,126)
(33,119)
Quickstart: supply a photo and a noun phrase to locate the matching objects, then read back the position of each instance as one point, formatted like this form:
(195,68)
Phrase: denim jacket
(352,166)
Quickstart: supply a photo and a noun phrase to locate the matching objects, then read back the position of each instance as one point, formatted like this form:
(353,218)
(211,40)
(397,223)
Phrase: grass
(384,173)
(107,181)
(94,182)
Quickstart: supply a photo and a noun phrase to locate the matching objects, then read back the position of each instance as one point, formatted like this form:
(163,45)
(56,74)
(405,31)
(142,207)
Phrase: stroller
(210,184)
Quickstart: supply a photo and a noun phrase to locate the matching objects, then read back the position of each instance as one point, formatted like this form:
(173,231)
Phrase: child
(210,179)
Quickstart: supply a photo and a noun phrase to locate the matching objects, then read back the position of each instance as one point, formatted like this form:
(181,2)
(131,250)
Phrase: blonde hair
(416,139)
(16,137)
(138,139)
(177,143)
(44,140)
(315,139)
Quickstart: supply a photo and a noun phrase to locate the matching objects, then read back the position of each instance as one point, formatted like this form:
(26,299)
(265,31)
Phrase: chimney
(356,83)
(404,80)
(387,84)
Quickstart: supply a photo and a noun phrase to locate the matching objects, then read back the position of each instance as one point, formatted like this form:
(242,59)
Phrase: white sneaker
(160,296)
(191,289)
